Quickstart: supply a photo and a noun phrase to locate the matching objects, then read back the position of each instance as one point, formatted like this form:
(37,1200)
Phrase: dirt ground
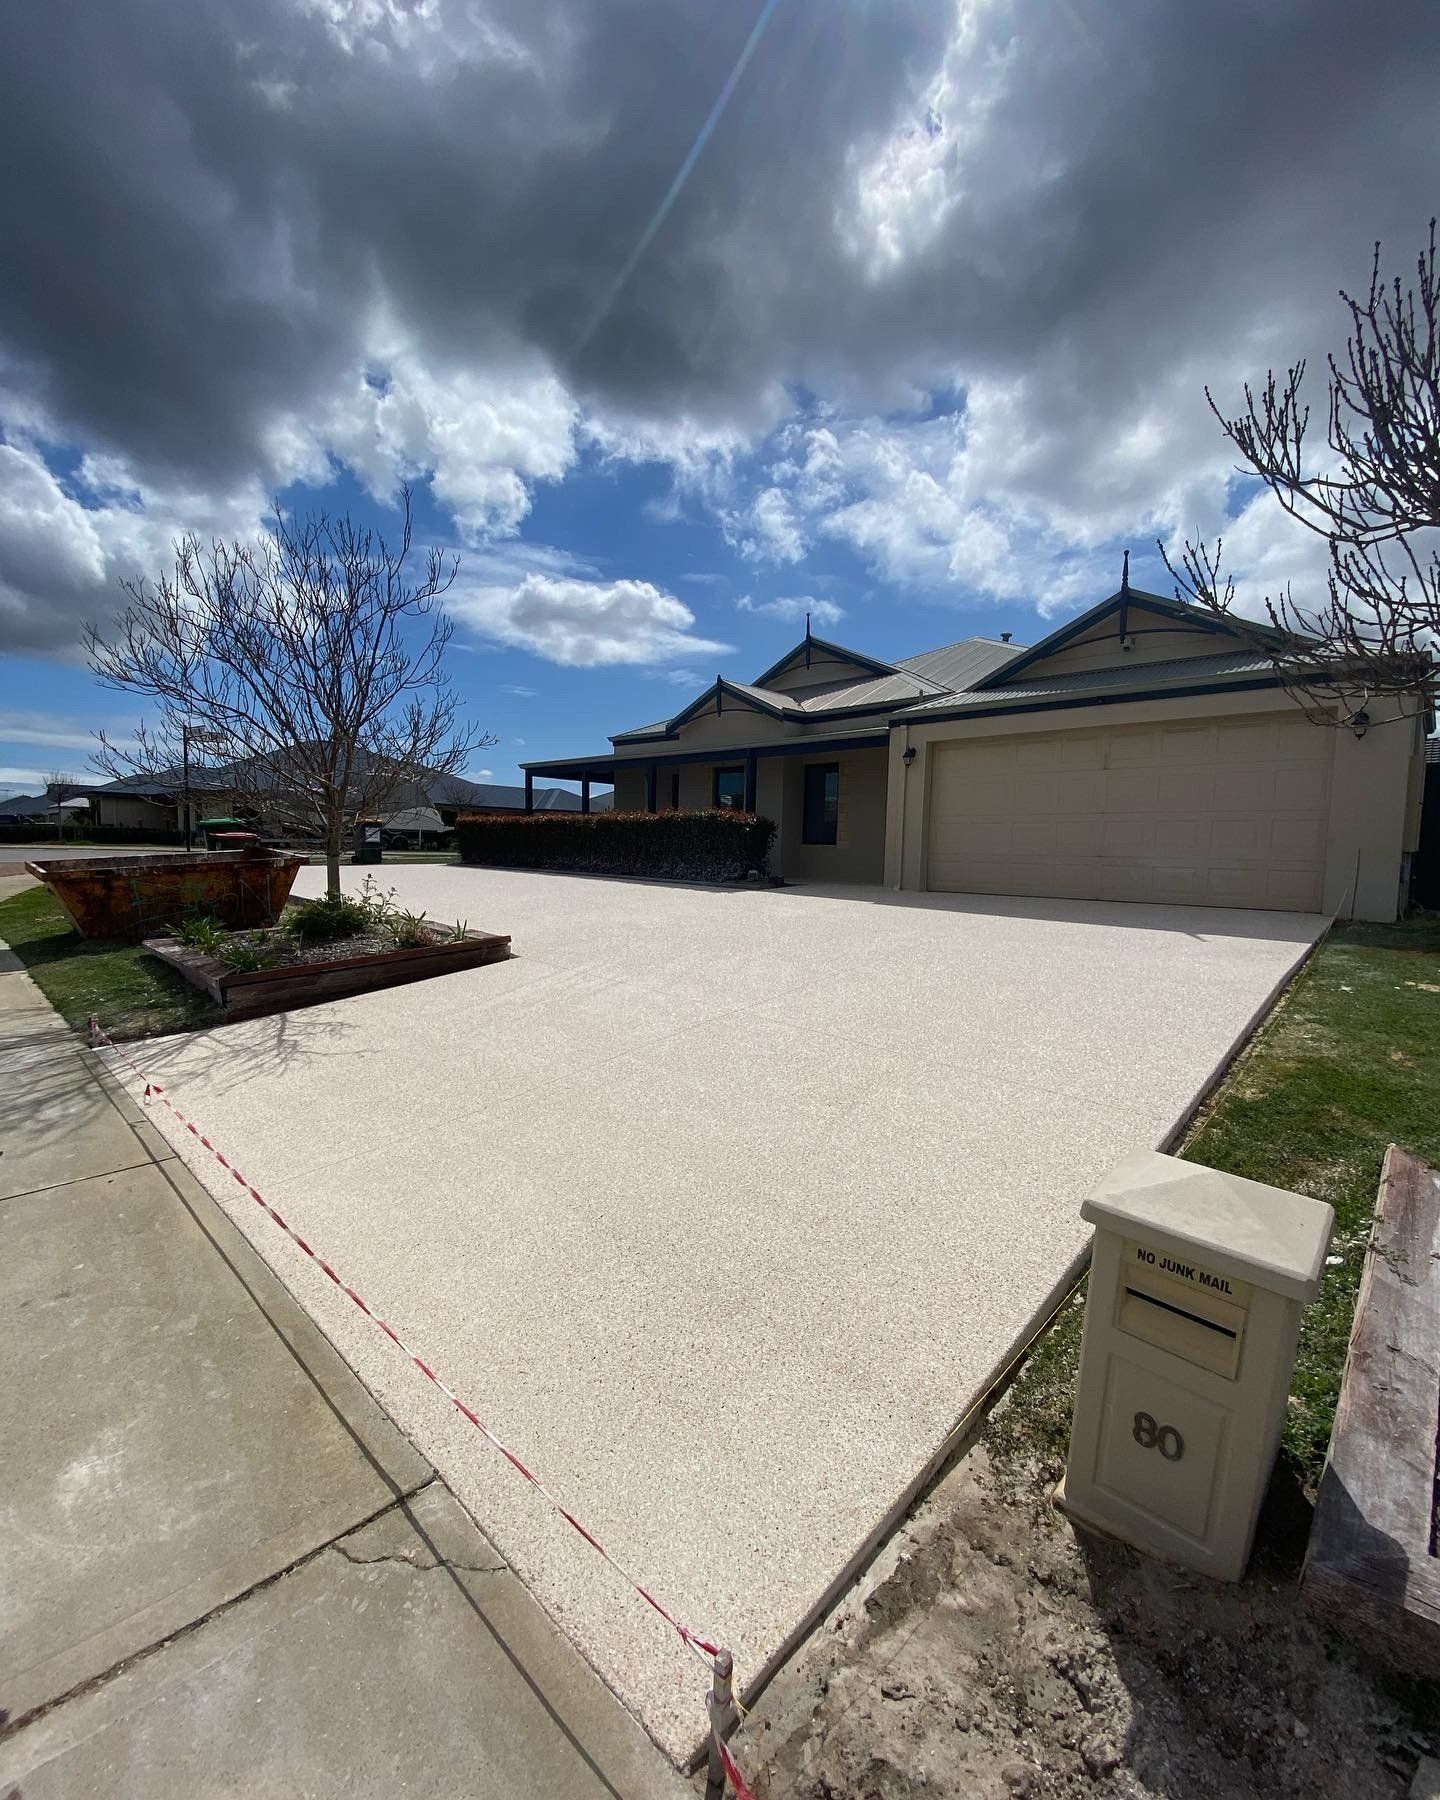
(996,1651)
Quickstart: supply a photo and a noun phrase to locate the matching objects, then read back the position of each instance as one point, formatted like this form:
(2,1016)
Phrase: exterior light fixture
(908,755)
(1360,722)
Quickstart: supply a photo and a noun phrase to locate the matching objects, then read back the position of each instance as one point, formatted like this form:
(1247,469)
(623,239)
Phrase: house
(27,809)
(154,803)
(452,795)
(44,809)
(1142,751)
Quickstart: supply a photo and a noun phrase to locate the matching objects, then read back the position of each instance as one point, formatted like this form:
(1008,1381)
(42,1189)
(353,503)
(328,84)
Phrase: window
(674,790)
(730,789)
(822,802)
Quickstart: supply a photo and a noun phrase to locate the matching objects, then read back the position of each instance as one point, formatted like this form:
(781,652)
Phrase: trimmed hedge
(89,834)
(718,845)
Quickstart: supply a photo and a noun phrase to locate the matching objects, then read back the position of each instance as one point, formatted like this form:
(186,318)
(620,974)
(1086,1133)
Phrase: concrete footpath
(222,1569)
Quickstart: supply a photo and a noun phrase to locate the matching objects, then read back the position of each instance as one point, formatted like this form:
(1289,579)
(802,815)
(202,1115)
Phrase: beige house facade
(1141,752)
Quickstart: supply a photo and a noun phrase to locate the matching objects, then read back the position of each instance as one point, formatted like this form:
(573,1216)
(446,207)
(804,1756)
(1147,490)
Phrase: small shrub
(201,931)
(410,930)
(328,919)
(717,845)
(243,953)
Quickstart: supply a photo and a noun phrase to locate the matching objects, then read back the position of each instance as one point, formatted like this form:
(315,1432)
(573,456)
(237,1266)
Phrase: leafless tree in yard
(59,787)
(308,666)
(1373,494)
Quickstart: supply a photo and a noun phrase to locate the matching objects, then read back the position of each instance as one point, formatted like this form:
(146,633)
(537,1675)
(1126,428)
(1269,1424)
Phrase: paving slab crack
(401,1504)
(411,1559)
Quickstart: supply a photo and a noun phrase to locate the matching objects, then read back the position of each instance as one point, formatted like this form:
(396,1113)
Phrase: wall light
(907,756)
(1360,722)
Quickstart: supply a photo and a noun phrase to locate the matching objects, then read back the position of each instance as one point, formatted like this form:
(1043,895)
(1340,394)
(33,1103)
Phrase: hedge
(89,834)
(719,845)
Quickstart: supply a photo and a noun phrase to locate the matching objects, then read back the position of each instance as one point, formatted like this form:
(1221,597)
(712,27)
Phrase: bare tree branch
(306,671)
(1375,499)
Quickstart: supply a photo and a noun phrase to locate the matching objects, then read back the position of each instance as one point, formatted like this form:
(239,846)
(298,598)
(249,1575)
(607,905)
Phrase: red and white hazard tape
(697,1645)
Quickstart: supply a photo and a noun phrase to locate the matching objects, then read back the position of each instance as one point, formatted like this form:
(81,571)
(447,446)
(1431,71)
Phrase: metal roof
(765,697)
(1137,676)
(24,806)
(955,666)
(937,673)
(884,690)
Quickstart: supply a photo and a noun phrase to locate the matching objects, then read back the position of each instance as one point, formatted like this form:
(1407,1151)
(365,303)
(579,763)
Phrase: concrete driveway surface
(720,1205)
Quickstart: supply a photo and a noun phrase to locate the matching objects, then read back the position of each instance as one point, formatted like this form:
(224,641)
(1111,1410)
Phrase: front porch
(827,798)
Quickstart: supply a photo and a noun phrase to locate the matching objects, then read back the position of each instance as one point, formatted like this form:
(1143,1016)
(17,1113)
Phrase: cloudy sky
(683,316)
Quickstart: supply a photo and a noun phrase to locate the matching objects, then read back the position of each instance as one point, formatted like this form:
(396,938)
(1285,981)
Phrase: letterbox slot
(1179,1316)
(1181,1313)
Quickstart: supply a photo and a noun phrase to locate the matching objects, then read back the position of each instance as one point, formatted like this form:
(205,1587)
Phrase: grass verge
(1348,1063)
(134,994)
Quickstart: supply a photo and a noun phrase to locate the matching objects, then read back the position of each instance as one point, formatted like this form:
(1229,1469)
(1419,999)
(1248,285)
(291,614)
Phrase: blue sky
(676,317)
(606,522)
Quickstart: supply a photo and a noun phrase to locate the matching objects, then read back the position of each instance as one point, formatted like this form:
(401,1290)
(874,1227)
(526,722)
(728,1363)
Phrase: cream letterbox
(1197,1283)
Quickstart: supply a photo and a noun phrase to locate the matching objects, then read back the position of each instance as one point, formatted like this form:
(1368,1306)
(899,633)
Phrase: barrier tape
(743,1791)
(693,1642)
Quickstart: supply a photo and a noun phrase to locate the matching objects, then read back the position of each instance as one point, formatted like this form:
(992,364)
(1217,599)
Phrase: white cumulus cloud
(584,624)
(793,609)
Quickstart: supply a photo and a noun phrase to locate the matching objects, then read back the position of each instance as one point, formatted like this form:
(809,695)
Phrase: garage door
(1221,812)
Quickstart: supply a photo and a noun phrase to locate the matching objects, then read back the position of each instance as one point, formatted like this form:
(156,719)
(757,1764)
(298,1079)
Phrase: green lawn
(1348,1064)
(134,994)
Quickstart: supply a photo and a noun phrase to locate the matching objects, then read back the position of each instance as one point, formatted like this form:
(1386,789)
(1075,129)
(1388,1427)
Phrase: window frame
(820,771)
(715,800)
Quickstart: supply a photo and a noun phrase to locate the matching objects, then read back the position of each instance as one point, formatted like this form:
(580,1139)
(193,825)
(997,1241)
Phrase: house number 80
(1164,1438)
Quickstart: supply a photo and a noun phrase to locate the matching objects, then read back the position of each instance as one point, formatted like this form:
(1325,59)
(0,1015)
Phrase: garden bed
(300,975)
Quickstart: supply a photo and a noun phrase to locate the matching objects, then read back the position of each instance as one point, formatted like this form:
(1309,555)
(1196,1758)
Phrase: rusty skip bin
(136,896)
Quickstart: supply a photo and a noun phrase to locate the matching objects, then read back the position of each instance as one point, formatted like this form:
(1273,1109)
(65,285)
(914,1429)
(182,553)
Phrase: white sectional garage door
(1212,812)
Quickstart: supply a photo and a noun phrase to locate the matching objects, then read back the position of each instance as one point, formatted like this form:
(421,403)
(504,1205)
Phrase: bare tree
(59,787)
(307,665)
(1374,497)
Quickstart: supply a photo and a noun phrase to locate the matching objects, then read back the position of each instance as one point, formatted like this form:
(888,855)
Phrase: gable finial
(1125,574)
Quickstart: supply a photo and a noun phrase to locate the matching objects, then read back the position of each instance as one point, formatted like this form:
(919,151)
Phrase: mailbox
(1197,1283)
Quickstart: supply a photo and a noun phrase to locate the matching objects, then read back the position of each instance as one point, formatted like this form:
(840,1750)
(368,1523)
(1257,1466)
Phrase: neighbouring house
(46,809)
(1142,751)
(452,795)
(157,803)
(138,803)
(27,809)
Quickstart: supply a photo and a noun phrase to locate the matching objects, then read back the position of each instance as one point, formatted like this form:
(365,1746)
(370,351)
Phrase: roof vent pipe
(1004,637)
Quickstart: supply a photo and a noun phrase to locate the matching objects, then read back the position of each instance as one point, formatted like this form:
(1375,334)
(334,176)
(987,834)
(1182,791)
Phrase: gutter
(1117,697)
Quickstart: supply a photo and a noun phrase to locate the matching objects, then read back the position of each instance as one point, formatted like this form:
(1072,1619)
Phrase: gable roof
(778,706)
(1193,618)
(876,686)
(836,651)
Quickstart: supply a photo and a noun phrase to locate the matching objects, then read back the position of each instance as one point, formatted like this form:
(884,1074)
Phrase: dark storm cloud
(209,206)
(210,197)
